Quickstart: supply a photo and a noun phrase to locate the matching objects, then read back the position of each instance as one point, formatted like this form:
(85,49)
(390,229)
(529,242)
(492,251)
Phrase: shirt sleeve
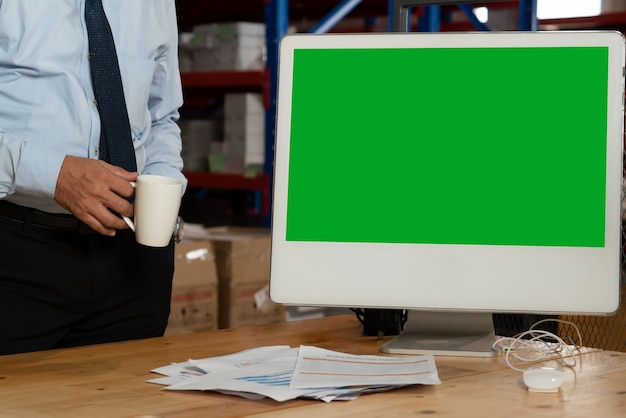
(163,146)
(27,167)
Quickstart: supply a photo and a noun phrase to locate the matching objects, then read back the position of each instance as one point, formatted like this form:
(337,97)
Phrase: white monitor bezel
(330,274)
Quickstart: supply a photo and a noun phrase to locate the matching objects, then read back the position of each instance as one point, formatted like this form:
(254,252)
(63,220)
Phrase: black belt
(38,218)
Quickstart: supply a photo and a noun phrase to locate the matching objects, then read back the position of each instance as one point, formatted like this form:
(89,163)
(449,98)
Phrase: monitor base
(445,333)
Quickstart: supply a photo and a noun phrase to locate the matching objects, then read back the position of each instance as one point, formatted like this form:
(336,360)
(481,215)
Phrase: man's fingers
(120,172)
(91,189)
(97,226)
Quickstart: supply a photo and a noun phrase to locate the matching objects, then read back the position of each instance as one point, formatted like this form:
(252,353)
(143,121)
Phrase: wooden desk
(109,380)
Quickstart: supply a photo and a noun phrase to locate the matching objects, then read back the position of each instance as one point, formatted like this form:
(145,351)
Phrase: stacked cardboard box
(243,262)
(185,51)
(200,138)
(228,46)
(244,133)
(244,127)
(194,289)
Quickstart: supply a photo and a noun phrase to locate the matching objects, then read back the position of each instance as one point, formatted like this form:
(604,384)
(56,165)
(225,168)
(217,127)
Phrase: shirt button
(95,102)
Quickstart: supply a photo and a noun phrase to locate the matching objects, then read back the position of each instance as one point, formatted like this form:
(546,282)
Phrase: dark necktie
(116,144)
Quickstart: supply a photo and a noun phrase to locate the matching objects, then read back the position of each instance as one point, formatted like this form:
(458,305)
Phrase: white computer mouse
(543,379)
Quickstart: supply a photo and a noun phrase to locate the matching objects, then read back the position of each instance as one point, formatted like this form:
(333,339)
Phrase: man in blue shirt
(71,272)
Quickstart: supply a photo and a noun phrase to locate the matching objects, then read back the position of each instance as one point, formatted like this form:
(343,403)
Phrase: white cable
(543,344)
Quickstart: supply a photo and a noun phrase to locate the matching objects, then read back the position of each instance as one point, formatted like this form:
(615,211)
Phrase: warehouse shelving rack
(326,13)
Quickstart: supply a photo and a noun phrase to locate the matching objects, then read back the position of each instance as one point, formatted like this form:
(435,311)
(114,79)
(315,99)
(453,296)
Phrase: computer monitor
(451,174)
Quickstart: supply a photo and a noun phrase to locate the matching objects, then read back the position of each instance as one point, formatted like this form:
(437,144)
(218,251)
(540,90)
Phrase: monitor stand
(445,333)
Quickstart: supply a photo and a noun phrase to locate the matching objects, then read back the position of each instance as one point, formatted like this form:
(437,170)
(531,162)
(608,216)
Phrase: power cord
(536,344)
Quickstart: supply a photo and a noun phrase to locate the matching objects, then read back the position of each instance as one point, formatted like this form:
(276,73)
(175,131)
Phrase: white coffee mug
(157,201)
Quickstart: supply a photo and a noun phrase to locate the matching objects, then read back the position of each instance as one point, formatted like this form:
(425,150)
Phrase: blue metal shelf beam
(338,13)
(399,13)
(430,21)
(276,21)
(468,10)
(528,15)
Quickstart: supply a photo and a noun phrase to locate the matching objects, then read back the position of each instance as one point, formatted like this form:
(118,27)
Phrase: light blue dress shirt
(47,106)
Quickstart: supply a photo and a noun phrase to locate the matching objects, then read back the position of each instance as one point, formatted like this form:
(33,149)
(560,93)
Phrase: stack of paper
(283,373)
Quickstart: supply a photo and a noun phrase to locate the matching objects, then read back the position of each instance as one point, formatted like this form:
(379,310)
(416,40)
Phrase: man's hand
(91,189)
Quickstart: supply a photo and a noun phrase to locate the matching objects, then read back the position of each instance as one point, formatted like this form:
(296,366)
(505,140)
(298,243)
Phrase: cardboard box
(242,153)
(242,104)
(198,135)
(228,46)
(194,289)
(244,132)
(220,59)
(208,35)
(243,264)
(244,125)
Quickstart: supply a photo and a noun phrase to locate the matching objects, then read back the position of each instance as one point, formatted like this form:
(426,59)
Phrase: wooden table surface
(109,380)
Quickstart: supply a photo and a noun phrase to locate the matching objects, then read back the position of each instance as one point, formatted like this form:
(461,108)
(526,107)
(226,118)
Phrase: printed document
(282,373)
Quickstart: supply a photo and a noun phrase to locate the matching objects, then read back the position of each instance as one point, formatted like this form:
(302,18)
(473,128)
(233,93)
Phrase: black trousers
(63,288)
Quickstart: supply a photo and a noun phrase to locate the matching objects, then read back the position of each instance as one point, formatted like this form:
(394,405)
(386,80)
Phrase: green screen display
(495,146)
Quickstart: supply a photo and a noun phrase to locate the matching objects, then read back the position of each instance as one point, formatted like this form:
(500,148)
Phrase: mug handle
(128,221)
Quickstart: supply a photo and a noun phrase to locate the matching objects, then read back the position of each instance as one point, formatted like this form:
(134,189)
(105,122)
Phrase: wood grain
(109,380)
